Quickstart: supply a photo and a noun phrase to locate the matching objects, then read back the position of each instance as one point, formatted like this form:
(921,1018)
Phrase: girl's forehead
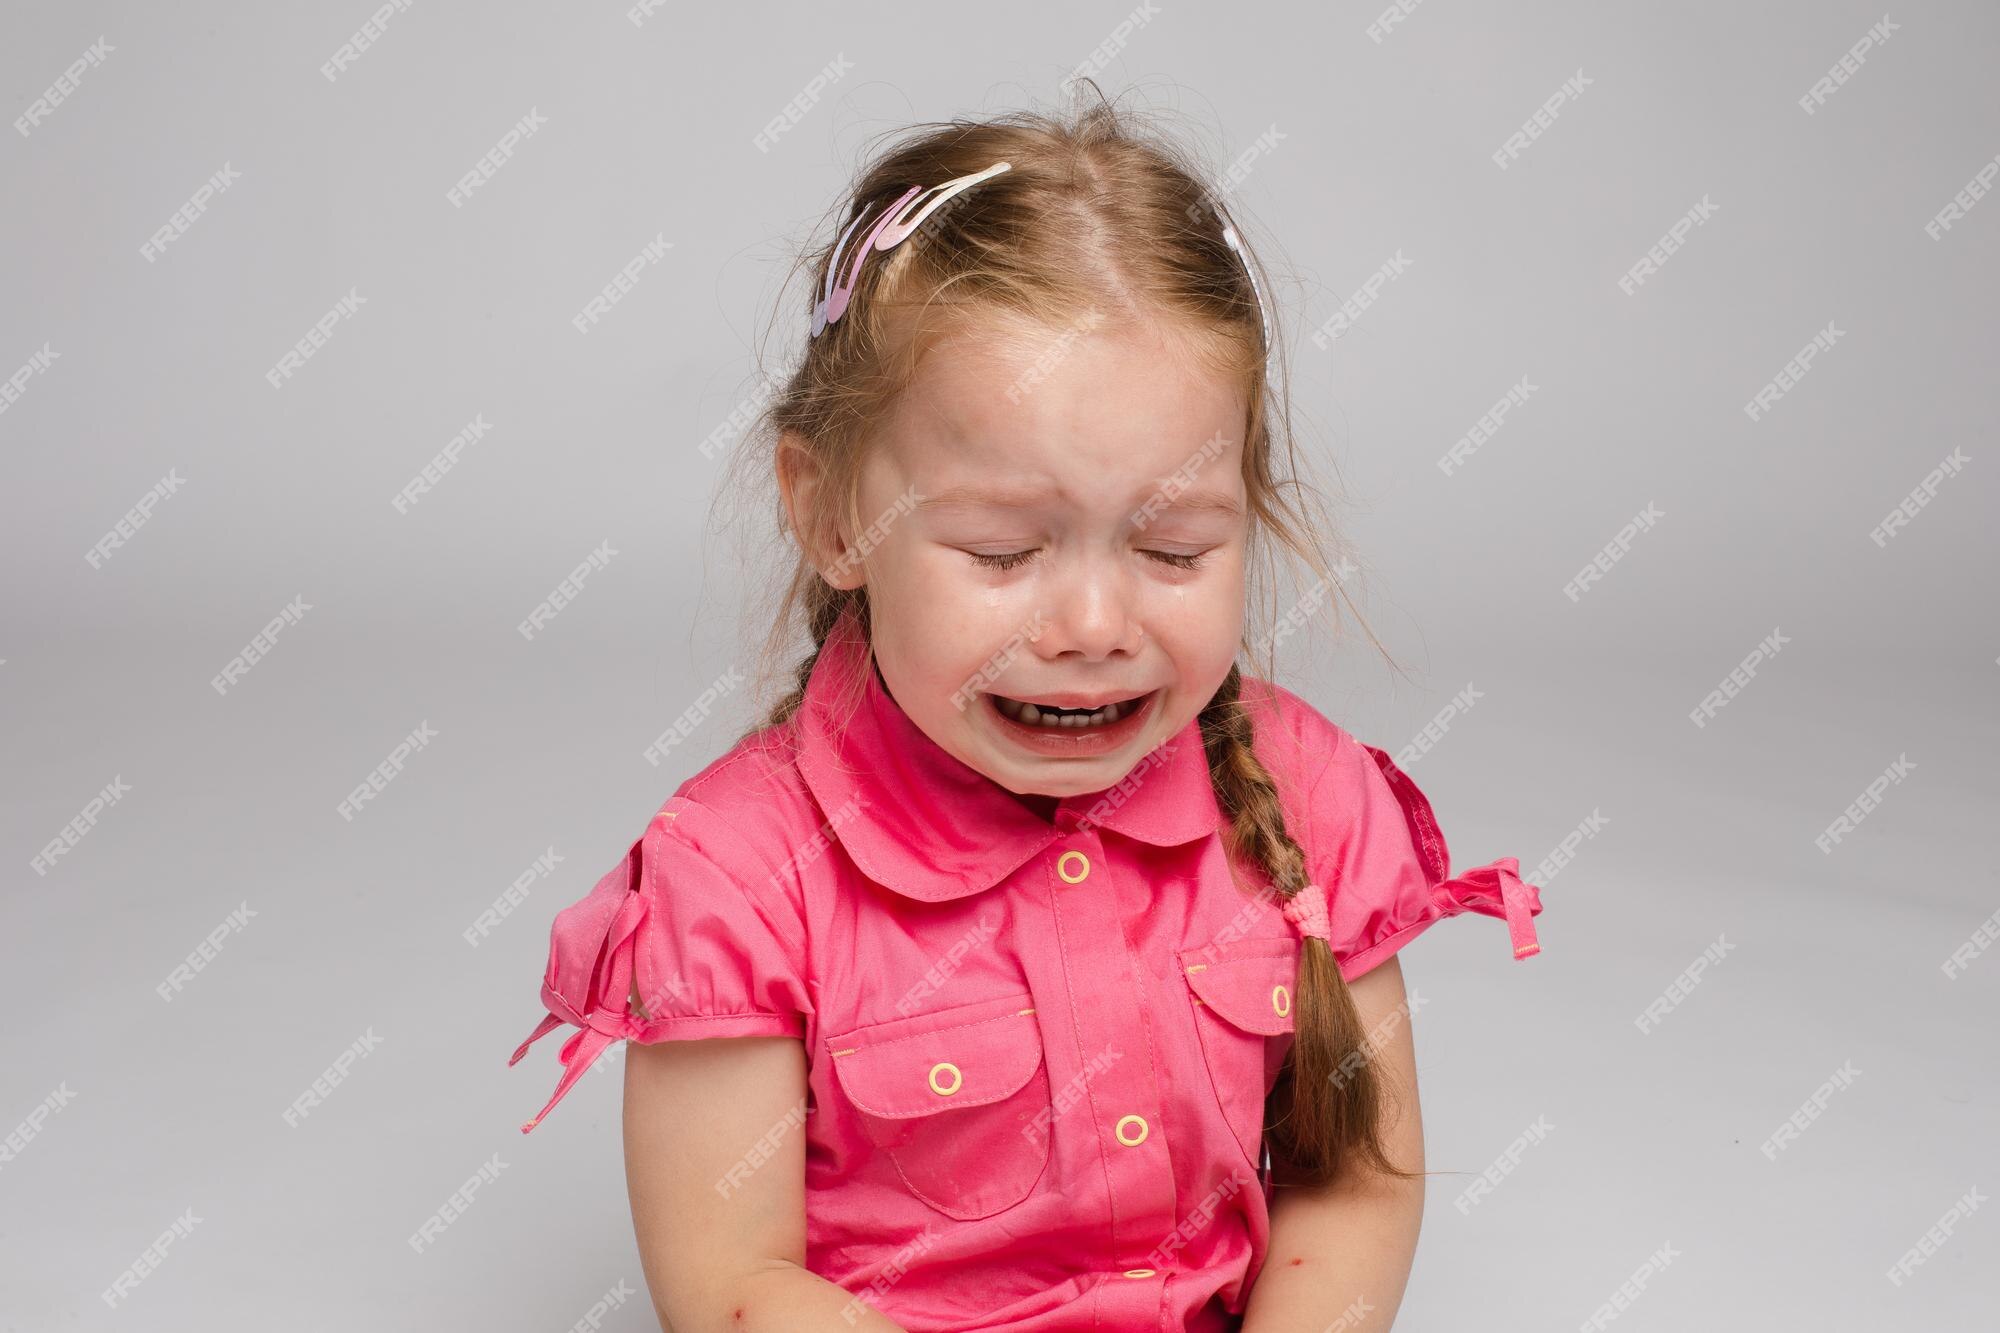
(1109,402)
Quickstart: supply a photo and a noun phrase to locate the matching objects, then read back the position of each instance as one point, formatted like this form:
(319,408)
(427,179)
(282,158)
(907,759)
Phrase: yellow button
(946,1067)
(1281,1000)
(1083,867)
(1138,1272)
(1137,1120)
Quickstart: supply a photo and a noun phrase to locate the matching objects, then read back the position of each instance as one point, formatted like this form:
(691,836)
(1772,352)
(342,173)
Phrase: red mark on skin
(736,1315)
(1295,1263)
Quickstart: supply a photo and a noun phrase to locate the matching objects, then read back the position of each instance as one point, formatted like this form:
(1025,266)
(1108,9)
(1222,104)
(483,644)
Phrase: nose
(1093,616)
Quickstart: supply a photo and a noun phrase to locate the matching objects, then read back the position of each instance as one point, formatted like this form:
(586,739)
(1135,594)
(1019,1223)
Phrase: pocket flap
(1249,983)
(970,1055)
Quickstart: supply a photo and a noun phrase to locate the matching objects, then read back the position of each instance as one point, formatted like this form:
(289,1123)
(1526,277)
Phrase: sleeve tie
(599,1011)
(1497,890)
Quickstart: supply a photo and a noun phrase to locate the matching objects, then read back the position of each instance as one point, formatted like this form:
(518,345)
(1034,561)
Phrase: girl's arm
(1343,1251)
(718,1211)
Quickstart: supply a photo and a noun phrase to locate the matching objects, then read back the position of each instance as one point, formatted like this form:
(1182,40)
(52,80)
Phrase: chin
(1108,772)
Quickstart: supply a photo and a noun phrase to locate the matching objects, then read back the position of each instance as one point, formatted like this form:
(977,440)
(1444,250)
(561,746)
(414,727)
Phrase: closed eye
(1007,560)
(1015,559)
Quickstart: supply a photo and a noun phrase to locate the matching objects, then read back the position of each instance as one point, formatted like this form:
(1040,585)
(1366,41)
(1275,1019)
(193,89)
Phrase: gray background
(1709,832)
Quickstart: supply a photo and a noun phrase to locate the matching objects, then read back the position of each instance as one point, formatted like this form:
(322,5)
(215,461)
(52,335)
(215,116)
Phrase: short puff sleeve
(669,945)
(1375,848)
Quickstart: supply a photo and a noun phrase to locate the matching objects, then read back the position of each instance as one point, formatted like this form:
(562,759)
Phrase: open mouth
(1053,718)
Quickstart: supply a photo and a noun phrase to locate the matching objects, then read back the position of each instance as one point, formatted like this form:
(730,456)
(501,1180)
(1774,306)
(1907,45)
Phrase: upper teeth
(1033,716)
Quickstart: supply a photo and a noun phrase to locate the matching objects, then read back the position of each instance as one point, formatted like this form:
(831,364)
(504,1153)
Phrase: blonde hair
(1093,216)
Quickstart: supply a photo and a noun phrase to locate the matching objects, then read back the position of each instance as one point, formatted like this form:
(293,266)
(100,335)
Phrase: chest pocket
(958,1100)
(1243,993)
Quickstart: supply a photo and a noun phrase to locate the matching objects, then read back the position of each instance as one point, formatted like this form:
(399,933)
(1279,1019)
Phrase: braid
(823,610)
(1314,1122)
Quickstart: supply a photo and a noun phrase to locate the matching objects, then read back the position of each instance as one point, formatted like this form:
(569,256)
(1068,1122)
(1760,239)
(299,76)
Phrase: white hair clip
(1243,255)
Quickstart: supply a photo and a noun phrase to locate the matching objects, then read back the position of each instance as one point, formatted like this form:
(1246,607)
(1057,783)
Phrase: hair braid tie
(1306,910)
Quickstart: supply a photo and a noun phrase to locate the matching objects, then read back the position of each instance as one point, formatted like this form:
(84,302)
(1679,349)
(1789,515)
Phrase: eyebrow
(1003,497)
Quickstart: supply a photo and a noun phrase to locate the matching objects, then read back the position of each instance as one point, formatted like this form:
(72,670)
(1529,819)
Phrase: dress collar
(919,820)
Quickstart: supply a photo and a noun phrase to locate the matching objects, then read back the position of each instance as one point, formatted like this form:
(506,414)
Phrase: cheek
(1212,599)
(1200,623)
(925,597)
(953,598)
(940,624)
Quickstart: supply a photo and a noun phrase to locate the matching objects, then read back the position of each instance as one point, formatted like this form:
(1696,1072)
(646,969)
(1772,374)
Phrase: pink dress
(1038,1050)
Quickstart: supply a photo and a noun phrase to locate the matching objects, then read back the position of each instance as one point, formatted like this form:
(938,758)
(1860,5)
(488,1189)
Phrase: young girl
(1054,954)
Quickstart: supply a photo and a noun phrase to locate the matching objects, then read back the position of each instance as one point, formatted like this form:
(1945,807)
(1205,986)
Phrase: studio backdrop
(368,376)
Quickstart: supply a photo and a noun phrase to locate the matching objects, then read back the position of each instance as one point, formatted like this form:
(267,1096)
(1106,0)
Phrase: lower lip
(1074,742)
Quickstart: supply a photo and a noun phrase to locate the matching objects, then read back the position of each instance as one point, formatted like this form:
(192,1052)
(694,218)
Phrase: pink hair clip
(891,229)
